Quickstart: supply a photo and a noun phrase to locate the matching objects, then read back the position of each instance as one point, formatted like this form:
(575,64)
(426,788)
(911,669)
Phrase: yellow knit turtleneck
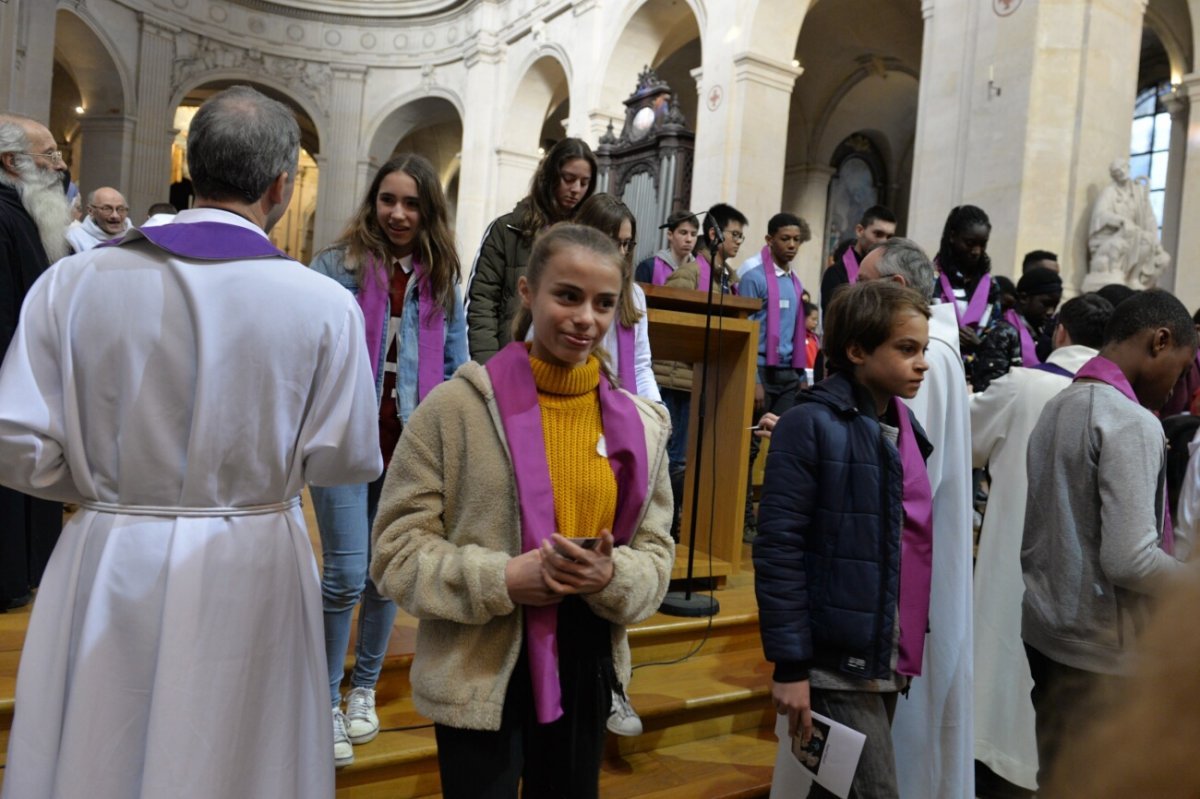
(585,489)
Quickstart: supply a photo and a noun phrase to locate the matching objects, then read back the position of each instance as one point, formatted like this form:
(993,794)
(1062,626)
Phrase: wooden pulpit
(676,326)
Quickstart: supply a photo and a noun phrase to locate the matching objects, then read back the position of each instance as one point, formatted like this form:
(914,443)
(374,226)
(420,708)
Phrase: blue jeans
(344,517)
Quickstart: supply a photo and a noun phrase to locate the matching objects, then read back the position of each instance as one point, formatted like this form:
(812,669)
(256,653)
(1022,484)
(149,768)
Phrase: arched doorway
(535,121)
(89,115)
(852,119)
(428,126)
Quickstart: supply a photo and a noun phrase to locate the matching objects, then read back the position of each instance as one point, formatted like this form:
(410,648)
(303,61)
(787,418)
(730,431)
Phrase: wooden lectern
(676,325)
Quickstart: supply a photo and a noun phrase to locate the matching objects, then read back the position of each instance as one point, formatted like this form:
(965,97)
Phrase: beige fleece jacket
(447,524)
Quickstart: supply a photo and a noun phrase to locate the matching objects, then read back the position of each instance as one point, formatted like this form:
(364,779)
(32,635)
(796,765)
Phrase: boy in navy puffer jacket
(838,509)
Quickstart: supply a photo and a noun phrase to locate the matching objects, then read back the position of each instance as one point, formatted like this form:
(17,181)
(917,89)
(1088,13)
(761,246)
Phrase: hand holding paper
(791,700)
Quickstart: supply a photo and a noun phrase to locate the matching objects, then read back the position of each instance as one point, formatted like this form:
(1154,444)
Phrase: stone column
(27,57)
(1187,271)
(105,154)
(1177,106)
(999,113)
(753,180)
(806,194)
(478,183)
(155,130)
(337,183)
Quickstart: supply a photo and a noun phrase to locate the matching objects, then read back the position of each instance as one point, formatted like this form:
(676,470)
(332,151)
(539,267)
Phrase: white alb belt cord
(191,512)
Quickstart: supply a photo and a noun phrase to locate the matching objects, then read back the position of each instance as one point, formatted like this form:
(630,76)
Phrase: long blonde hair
(605,213)
(363,237)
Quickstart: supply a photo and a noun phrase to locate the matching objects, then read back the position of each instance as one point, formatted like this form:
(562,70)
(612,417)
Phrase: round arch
(93,61)
(866,100)
(543,86)
(646,33)
(270,86)
(1171,21)
(774,27)
(406,114)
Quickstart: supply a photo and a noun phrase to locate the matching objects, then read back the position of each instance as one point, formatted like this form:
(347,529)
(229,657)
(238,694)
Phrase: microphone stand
(685,602)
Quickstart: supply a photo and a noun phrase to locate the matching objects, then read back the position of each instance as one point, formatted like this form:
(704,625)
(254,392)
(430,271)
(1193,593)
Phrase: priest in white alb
(1002,419)
(181,386)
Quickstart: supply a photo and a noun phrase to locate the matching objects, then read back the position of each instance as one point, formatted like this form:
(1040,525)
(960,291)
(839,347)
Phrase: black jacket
(22,261)
(827,554)
(492,299)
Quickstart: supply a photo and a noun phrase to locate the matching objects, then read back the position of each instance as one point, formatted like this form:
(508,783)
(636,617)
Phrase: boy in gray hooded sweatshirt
(1098,542)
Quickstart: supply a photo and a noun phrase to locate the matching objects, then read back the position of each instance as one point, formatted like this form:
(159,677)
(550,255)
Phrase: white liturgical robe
(175,647)
(1002,419)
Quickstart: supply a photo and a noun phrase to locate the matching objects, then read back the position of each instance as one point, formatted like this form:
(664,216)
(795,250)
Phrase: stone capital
(818,174)
(1189,87)
(156,27)
(754,68)
(518,158)
(354,72)
(926,9)
(106,124)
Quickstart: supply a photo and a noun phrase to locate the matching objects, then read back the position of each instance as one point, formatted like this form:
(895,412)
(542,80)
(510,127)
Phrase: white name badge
(785,303)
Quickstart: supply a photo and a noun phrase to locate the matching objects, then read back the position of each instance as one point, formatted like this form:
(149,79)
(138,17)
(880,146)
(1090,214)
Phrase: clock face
(643,120)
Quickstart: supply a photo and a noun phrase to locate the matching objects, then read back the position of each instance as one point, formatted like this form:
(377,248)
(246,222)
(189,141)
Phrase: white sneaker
(623,720)
(362,724)
(343,752)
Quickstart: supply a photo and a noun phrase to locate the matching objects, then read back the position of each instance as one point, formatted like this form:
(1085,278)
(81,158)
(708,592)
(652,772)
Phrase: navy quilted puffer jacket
(827,555)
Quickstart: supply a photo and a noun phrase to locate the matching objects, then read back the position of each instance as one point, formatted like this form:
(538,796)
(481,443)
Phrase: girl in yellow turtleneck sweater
(525,520)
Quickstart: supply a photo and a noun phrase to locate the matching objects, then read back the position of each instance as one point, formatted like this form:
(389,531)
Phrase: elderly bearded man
(107,218)
(33,223)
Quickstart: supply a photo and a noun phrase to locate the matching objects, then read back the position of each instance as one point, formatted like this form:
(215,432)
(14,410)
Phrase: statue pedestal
(1098,280)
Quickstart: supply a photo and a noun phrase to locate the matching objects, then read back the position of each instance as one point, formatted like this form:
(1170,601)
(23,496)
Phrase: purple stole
(799,351)
(663,270)
(976,307)
(204,241)
(850,261)
(625,441)
(626,360)
(916,547)
(1055,369)
(705,273)
(1105,371)
(1028,347)
(431,328)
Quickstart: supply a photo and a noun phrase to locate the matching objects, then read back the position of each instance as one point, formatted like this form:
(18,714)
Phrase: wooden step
(709,696)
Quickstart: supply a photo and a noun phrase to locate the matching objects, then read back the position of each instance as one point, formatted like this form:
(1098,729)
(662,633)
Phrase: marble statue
(1123,244)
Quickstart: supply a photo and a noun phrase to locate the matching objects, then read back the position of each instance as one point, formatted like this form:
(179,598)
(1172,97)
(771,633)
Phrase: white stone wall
(1034,156)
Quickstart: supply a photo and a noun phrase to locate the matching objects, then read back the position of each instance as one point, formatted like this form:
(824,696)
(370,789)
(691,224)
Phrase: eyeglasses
(54,155)
(736,235)
(108,209)
(625,245)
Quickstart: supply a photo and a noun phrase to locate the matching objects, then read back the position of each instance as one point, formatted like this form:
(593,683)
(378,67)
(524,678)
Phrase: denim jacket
(331,263)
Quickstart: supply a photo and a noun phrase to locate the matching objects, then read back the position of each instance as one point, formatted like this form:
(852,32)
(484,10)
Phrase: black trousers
(560,760)
(1063,698)
(29,529)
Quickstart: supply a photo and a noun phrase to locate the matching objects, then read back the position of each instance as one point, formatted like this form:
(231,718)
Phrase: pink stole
(1029,356)
(978,304)
(626,359)
(916,547)
(373,298)
(850,261)
(705,273)
(799,351)
(625,441)
(663,270)
(1105,371)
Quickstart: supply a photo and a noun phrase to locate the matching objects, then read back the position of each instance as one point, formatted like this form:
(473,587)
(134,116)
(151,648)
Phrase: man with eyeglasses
(33,223)
(107,218)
